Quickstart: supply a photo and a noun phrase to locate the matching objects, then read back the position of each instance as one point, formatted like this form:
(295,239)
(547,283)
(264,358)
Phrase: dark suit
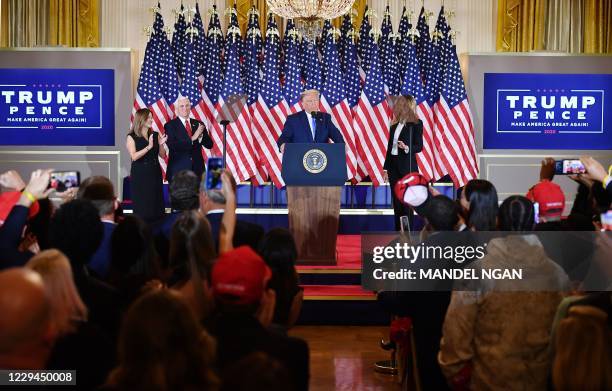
(398,166)
(297,130)
(239,334)
(100,261)
(245,233)
(184,153)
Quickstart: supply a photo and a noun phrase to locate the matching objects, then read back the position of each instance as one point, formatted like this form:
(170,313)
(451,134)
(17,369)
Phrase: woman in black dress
(145,146)
(405,141)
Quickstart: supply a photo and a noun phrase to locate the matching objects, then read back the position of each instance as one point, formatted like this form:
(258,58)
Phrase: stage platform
(333,294)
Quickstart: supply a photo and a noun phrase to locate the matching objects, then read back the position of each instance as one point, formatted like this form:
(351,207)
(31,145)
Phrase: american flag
(327,28)
(414,86)
(293,80)
(364,44)
(352,83)
(212,81)
(432,93)
(179,43)
(402,32)
(148,93)
(199,40)
(252,78)
(347,25)
(352,80)
(371,120)
(453,115)
(233,25)
(312,68)
(242,160)
(423,45)
(166,68)
(254,35)
(334,102)
(190,88)
(389,56)
(270,110)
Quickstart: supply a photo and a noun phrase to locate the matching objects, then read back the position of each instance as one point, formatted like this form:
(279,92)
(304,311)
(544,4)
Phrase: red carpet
(336,292)
(348,250)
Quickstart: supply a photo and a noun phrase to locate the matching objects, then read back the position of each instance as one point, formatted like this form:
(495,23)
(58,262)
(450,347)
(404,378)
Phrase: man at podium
(309,125)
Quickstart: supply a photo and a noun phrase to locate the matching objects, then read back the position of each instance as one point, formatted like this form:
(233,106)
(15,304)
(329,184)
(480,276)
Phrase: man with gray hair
(309,125)
(186,138)
(212,205)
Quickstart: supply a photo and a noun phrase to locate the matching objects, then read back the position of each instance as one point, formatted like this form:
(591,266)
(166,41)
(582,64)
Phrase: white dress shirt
(396,134)
(312,129)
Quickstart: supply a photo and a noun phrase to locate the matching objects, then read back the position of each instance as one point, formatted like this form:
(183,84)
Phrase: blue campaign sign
(57,106)
(547,111)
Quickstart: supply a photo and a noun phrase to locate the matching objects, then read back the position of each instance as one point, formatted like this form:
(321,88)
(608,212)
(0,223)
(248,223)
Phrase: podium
(314,174)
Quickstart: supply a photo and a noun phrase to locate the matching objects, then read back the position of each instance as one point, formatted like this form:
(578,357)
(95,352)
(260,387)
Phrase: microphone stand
(411,216)
(224,123)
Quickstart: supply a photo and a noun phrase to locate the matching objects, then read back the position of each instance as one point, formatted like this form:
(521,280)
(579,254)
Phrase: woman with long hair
(192,252)
(66,305)
(77,337)
(479,202)
(163,347)
(145,146)
(405,141)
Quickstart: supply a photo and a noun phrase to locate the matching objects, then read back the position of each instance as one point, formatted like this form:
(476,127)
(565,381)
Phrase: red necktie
(188,127)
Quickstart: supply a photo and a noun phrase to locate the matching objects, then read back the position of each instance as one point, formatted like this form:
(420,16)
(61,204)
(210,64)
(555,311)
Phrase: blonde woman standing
(405,141)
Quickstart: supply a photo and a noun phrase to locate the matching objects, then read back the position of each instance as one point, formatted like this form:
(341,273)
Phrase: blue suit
(297,130)
(100,261)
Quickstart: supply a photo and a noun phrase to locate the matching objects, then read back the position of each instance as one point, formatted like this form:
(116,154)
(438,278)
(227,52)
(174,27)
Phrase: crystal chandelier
(310,14)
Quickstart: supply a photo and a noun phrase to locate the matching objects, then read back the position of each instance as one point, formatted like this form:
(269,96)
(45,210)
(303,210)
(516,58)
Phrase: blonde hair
(67,308)
(309,92)
(404,109)
(583,355)
(140,118)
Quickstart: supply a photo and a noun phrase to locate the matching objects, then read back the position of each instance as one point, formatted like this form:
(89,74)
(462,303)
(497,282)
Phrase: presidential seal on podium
(315,161)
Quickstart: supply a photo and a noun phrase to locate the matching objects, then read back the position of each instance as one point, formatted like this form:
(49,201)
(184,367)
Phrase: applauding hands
(198,132)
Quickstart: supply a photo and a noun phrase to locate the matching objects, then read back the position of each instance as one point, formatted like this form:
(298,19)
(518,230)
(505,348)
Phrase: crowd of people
(201,300)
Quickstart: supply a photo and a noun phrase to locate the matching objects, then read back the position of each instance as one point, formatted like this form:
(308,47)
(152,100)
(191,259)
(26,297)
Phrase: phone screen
(404,224)
(536,212)
(606,221)
(64,180)
(213,173)
(569,167)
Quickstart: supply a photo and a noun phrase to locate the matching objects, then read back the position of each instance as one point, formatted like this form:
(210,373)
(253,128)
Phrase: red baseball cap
(412,189)
(550,198)
(240,276)
(8,200)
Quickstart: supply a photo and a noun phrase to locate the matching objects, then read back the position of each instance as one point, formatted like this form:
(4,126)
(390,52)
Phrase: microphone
(316,114)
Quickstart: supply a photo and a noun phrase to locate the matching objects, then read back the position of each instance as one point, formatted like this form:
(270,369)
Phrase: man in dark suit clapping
(186,137)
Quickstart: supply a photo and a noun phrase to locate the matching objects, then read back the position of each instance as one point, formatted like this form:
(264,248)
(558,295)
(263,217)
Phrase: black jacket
(238,335)
(403,159)
(184,153)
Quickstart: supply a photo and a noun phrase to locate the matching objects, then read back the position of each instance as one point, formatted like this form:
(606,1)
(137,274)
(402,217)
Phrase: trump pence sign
(547,111)
(57,107)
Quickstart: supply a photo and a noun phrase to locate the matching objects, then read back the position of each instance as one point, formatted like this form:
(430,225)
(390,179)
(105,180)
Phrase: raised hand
(12,180)
(547,170)
(402,145)
(150,141)
(594,169)
(39,184)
